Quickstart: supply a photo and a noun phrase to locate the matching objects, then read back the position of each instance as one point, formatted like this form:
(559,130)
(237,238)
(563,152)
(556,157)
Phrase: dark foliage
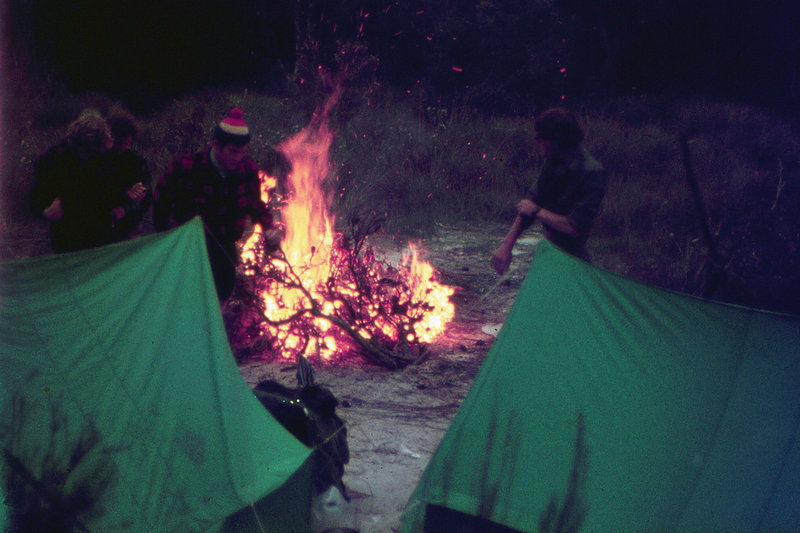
(509,55)
(146,52)
(742,49)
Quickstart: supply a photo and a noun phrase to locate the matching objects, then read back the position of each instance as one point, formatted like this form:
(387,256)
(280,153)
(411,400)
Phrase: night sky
(507,51)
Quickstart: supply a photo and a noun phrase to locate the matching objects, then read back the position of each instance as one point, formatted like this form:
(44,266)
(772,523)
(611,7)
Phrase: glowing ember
(327,295)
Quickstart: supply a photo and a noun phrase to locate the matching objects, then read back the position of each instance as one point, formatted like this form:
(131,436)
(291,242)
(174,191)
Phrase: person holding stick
(567,196)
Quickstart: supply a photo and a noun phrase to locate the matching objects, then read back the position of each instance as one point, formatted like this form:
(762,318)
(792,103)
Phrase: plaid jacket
(192,186)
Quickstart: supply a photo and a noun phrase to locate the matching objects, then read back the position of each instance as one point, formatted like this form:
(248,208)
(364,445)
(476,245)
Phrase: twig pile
(365,307)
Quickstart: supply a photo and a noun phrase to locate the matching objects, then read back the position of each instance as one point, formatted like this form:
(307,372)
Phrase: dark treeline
(742,49)
(506,55)
(518,51)
(148,51)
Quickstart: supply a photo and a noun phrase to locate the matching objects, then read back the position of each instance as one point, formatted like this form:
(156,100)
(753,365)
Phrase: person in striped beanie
(220,184)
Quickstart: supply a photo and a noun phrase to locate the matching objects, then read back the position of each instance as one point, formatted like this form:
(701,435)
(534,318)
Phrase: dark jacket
(574,190)
(80,181)
(125,169)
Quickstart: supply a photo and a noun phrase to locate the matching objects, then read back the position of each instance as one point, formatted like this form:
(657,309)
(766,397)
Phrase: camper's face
(549,148)
(230,155)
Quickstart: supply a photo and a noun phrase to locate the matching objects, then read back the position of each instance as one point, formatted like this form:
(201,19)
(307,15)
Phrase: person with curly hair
(70,188)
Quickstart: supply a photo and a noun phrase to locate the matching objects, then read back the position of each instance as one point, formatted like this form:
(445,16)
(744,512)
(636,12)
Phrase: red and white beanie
(234,123)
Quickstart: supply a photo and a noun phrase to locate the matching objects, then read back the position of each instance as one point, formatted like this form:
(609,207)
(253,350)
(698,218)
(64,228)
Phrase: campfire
(326,295)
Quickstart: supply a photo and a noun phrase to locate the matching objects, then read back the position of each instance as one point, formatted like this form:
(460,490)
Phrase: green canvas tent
(609,405)
(122,406)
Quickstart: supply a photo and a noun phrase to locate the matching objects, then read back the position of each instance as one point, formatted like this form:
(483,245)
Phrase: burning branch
(362,305)
(325,295)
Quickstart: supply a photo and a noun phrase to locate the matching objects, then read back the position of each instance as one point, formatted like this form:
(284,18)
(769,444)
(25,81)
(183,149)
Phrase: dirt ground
(395,419)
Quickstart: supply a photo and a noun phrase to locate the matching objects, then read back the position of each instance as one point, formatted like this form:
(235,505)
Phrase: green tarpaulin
(122,406)
(609,405)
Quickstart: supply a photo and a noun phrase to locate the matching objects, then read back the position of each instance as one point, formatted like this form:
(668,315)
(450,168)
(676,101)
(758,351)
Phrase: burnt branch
(362,302)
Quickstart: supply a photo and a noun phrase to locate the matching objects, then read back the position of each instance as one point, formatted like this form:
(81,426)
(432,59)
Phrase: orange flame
(310,248)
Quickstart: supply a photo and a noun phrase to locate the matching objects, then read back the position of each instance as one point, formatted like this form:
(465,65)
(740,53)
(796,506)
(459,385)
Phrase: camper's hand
(54,211)
(118,213)
(501,260)
(527,208)
(137,192)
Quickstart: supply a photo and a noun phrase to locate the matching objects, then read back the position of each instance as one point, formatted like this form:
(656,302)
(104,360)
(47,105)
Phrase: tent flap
(611,405)
(121,399)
